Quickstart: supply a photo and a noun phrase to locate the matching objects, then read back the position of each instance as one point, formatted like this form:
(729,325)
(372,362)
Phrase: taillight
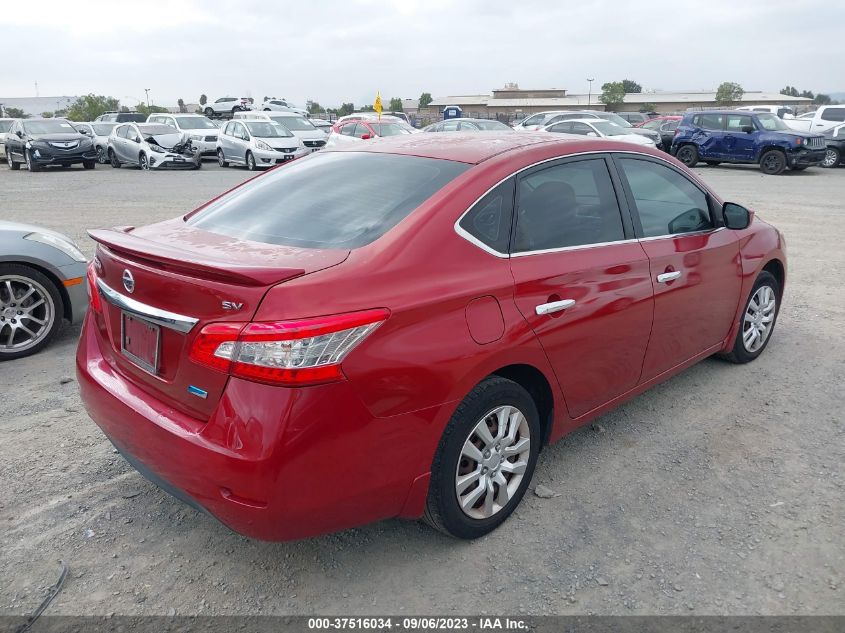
(93,293)
(294,353)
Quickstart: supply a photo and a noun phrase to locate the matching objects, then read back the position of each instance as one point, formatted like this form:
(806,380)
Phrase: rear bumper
(271,463)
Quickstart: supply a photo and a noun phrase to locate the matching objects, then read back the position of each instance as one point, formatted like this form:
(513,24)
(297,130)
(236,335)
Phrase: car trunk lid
(163,283)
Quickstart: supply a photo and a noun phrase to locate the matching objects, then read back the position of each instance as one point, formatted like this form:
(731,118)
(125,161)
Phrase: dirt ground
(718,492)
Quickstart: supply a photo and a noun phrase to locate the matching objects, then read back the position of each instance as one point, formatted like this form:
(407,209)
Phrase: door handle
(664,278)
(554,306)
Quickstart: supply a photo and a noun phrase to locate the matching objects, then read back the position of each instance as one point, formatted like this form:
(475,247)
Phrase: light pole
(590,89)
(147,90)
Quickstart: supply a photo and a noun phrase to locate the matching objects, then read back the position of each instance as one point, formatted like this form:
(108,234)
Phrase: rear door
(581,279)
(694,262)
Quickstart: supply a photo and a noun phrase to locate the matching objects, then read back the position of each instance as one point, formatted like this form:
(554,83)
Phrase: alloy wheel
(142,162)
(759,319)
(493,462)
(831,158)
(26,313)
(101,156)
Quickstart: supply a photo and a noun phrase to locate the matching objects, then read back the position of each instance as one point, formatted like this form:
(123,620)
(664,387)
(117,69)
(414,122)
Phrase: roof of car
(470,147)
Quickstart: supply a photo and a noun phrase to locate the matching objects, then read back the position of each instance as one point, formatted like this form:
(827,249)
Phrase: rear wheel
(485,460)
(688,155)
(757,320)
(209,112)
(831,157)
(113,159)
(221,159)
(250,162)
(773,162)
(102,157)
(31,165)
(13,164)
(31,310)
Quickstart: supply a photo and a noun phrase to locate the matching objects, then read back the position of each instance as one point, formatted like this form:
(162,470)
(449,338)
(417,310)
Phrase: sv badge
(232,305)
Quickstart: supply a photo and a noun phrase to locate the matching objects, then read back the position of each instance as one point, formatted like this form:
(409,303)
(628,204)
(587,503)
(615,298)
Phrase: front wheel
(209,112)
(31,164)
(143,163)
(31,310)
(485,460)
(250,162)
(102,157)
(13,164)
(757,320)
(89,164)
(773,162)
(688,155)
(831,157)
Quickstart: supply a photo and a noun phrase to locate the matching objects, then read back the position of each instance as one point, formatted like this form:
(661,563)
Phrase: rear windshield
(292,206)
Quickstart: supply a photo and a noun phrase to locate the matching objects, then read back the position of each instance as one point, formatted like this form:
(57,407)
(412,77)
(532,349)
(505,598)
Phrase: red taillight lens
(296,353)
(93,293)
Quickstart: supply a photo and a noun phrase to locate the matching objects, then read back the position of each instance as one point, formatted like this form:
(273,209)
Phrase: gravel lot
(719,492)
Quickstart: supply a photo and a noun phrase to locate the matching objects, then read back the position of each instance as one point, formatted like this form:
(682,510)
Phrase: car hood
(56,138)
(167,141)
(24,229)
(310,135)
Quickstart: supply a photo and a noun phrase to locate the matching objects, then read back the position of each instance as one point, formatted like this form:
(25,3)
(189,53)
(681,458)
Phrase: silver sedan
(42,284)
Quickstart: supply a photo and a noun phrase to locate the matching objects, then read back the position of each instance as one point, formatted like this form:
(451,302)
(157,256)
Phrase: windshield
(267,129)
(103,129)
(609,129)
(491,125)
(49,126)
(195,123)
(387,129)
(772,122)
(296,123)
(292,206)
(614,118)
(154,129)
(5,126)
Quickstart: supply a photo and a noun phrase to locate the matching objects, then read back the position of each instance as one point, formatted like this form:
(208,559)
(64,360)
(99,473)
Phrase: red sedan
(398,329)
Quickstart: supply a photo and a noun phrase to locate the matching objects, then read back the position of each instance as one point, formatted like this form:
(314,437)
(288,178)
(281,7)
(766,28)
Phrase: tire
(102,157)
(13,164)
(773,162)
(208,112)
(250,162)
(745,351)
(49,309)
(832,157)
(143,163)
(221,160)
(484,511)
(688,155)
(267,109)
(89,164)
(31,165)
(113,159)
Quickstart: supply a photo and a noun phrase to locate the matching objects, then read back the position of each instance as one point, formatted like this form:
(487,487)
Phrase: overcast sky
(341,51)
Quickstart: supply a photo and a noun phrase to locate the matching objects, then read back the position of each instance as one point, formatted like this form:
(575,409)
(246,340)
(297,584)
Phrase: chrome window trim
(170,320)
(476,242)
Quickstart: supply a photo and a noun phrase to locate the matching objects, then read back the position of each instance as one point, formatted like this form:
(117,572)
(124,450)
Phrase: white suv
(281,105)
(227,105)
(200,129)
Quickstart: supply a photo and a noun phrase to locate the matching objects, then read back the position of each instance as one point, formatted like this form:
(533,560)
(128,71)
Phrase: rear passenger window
(738,121)
(666,202)
(573,204)
(489,221)
(833,114)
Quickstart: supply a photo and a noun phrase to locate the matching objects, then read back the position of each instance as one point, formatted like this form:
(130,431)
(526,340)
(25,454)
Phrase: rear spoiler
(166,257)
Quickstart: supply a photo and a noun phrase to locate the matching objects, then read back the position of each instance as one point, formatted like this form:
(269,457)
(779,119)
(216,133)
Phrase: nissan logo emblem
(128,281)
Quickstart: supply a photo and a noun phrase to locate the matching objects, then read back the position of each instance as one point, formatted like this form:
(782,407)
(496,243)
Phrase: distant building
(35,106)
(511,102)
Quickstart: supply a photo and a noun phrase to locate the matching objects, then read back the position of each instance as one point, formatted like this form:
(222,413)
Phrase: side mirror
(736,217)
(748,129)
(365,137)
(137,139)
(19,134)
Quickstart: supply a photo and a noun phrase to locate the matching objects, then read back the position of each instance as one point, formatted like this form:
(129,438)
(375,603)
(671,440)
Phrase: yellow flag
(377,104)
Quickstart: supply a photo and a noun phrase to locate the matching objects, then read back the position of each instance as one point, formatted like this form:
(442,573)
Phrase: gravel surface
(718,492)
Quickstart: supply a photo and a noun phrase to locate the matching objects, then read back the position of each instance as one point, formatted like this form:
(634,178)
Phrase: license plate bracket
(140,341)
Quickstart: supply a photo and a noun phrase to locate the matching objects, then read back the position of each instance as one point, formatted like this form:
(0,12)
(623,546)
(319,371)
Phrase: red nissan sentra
(397,330)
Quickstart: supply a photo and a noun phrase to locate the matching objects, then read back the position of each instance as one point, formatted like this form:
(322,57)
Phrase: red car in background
(665,125)
(297,358)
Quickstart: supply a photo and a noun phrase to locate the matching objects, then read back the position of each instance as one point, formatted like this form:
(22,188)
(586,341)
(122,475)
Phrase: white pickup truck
(822,120)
